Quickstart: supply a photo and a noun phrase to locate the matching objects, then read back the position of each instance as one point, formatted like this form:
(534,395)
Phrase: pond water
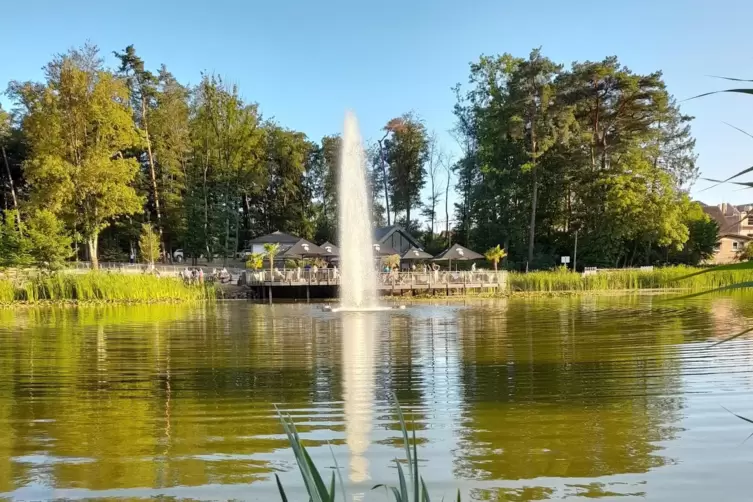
(519,399)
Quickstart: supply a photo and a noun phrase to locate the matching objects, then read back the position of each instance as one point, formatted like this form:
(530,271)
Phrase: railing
(332,277)
(210,272)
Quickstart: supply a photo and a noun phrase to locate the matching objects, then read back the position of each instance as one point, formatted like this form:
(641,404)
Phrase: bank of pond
(97,286)
(667,278)
(31,288)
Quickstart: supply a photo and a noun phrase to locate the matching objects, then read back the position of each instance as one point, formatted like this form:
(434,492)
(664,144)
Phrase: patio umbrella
(382,250)
(415,253)
(303,249)
(457,252)
(330,250)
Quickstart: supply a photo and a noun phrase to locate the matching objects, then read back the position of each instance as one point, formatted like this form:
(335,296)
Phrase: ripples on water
(513,400)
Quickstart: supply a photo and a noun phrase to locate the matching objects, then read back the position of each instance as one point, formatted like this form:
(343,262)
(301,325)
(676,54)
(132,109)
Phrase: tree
(435,194)
(50,242)
(271,251)
(255,261)
(5,136)
(391,261)
(323,178)
(537,121)
(171,145)
(228,166)
(142,85)
(406,151)
(78,125)
(494,255)
(745,254)
(606,150)
(149,244)
(703,237)
(15,247)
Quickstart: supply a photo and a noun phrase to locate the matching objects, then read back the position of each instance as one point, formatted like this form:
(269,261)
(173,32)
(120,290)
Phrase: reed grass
(680,277)
(99,287)
(314,481)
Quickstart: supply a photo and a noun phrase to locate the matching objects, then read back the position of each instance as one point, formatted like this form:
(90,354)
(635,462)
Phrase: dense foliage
(595,149)
(91,153)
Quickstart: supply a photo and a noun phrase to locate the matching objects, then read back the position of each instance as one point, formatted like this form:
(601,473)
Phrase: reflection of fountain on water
(358,388)
(358,278)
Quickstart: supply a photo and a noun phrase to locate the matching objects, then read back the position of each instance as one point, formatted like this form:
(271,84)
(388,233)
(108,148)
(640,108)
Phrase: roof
(381,234)
(736,236)
(415,253)
(302,248)
(726,222)
(330,249)
(458,252)
(275,238)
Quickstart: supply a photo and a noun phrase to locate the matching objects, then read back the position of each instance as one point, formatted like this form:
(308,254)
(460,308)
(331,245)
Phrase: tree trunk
(12,188)
(447,209)
(92,243)
(206,205)
(532,229)
(152,172)
(384,180)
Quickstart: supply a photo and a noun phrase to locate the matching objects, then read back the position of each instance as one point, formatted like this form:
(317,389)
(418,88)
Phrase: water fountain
(357,268)
(358,277)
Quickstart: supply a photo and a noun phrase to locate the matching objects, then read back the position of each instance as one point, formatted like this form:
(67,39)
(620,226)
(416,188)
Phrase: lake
(612,397)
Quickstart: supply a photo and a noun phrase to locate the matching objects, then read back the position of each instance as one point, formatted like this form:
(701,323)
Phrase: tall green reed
(680,277)
(314,482)
(99,287)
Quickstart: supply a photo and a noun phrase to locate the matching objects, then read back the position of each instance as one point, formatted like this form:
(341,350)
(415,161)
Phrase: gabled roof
(381,234)
(301,249)
(457,252)
(275,237)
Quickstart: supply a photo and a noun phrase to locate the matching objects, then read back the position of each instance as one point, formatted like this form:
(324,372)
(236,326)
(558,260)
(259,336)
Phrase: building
(735,229)
(284,240)
(395,237)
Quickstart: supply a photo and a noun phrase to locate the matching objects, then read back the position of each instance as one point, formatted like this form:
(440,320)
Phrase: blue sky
(305,62)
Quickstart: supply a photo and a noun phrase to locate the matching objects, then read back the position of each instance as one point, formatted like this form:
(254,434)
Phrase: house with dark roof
(395,237)
(735,229)
(284,240)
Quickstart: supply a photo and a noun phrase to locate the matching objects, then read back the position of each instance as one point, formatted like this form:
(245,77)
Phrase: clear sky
(305,62)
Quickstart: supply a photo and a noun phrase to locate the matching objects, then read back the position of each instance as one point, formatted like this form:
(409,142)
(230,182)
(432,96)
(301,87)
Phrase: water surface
(523,399)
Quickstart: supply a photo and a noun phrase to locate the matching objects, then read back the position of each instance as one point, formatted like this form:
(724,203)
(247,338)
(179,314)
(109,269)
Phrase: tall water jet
(358,277)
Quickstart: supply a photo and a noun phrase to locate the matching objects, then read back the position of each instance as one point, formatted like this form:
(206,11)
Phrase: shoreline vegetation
(39,288)
(98,287)
(657,279)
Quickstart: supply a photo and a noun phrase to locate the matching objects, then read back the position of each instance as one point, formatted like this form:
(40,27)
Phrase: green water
(522,399)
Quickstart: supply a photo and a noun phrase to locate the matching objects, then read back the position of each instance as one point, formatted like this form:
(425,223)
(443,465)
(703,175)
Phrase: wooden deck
(325,283)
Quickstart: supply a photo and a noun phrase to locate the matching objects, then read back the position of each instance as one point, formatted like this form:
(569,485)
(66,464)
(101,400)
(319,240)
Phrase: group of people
(193,275)
(196,275)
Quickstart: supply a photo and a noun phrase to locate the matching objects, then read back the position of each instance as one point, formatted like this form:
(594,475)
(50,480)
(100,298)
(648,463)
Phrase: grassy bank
(98,287)
(657,279)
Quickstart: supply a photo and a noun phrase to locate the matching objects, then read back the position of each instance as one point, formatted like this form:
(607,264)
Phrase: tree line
(96,157)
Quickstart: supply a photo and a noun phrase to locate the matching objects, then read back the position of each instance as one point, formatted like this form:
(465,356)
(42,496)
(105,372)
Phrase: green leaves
(314,484)
(50,242)
(420,492)
(149,244)
(312,479)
